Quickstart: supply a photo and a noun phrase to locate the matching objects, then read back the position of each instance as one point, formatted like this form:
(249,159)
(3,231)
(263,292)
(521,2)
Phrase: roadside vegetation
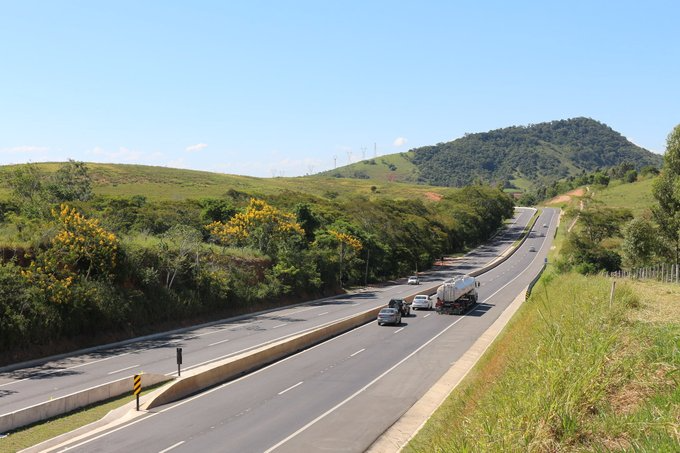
(576,370)
(572,373)
(81,267)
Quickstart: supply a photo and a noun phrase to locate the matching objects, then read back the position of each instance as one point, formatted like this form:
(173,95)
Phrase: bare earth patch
(567,196)
(433,196)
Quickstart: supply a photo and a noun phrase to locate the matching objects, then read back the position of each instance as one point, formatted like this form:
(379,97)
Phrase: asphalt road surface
(337,396)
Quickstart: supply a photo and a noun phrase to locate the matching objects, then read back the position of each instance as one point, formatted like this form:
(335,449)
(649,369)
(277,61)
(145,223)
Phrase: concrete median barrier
(219,372)
(214,373)
(222,371)
(78,400)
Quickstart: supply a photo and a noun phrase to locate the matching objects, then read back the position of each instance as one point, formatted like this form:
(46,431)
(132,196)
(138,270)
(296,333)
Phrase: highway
(27,386)
(339,395)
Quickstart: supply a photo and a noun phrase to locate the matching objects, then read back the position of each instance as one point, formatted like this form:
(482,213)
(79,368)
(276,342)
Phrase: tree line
(76,265)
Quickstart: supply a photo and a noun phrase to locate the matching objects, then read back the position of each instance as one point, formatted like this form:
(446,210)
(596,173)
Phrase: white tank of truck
(457,295)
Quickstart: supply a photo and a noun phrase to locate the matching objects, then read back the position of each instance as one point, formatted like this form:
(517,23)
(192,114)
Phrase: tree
(639,242)
(217,210)
(602,223)
(71,182)
(179,250)
(666,191)
(348,244)
(82,245)
(307,220)
(261,226)
(26,184)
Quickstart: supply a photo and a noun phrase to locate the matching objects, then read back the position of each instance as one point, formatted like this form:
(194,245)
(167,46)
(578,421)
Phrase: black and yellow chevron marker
(137,386)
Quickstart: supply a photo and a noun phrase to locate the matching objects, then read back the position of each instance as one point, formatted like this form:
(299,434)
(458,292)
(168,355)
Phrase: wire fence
(669,273)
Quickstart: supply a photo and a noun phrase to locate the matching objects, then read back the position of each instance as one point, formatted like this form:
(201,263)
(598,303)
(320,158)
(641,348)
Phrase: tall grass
(556,378)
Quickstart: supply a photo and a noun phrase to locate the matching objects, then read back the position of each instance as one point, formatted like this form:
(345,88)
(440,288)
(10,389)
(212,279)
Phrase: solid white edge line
(290,388)
(172,446)
(199,395)
(361,390)
(219,387)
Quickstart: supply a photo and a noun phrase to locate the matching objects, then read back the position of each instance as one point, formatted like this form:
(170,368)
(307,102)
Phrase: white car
(421,301)
(413,280)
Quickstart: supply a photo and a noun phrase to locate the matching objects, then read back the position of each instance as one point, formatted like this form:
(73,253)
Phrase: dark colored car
(401,305)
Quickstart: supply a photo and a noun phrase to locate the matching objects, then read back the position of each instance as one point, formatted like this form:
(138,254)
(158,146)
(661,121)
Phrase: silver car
(421,301)
(389,316)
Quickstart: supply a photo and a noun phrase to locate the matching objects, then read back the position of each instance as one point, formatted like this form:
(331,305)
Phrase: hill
(163,183)
(516,156)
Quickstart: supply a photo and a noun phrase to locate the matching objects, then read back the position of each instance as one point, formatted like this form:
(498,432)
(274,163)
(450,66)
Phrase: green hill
(163,183)
(512,156)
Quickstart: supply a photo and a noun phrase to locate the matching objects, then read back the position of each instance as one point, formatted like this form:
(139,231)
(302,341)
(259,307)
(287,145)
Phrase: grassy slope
(162,183)
(569,373)
(378,169)
(637,196)
(558,380)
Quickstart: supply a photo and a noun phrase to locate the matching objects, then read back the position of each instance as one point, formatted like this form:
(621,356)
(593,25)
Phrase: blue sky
(285,88)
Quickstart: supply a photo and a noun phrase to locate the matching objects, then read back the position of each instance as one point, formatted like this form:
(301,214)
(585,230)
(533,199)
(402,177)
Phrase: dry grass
(660,303)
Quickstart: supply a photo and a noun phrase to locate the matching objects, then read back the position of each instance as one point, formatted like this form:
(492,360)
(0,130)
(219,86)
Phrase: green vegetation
(572,373)
(388,168)
(636,197)
(575,370)
(608,236)
(80,266)
(517,158)
(541,152)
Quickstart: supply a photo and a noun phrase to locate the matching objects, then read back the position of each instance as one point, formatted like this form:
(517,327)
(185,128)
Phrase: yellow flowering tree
(348,244)
(83,244)
(80,249)
(260,226)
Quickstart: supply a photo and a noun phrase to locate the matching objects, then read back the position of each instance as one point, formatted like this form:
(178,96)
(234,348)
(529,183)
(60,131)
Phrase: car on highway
(401,305)
(413,280)
(421,302)
(532,248)
(389,316)
(545,225)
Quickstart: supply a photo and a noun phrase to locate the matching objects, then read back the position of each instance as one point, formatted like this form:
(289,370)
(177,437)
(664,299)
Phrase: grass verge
(39,432)
(571,373)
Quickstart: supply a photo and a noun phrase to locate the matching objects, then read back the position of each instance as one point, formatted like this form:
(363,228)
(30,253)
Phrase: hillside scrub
(572,373)
(101,268)
(542,153)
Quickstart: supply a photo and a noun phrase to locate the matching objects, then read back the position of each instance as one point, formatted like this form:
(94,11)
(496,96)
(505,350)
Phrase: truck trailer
(457,295)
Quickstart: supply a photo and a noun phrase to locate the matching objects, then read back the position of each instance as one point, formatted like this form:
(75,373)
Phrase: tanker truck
(457,295)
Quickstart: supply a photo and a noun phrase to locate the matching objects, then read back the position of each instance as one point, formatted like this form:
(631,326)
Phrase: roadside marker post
(137,387)
(179,360)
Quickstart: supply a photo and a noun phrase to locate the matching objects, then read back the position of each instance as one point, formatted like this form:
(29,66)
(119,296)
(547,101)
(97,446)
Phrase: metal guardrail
(535,280)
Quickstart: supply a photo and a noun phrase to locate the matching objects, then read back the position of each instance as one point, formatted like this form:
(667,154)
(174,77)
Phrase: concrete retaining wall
(78,400)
